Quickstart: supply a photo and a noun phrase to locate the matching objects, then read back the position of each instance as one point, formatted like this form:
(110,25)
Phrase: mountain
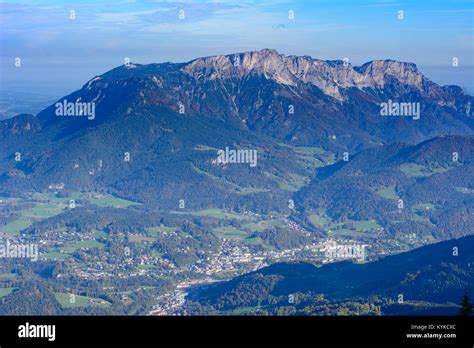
(242,160)
(426,189)
(173,118)
(430,278)
(254,91)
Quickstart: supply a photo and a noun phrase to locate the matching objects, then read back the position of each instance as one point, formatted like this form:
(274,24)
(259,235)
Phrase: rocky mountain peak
(329,76)
(377,71)
(267,61)
(229,77)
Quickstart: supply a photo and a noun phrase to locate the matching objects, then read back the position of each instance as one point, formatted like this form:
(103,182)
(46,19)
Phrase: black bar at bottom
(135,331)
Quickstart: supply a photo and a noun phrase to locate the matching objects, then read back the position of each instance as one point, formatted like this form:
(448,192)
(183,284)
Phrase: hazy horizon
(32,96)
(60,50)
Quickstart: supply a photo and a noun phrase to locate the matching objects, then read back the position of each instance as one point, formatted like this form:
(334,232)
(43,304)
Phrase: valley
(144,205)
(187,248)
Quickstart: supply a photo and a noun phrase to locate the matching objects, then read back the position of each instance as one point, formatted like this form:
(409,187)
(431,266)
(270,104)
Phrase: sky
(59,53)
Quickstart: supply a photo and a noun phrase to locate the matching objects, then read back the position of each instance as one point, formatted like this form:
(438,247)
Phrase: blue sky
(61,54)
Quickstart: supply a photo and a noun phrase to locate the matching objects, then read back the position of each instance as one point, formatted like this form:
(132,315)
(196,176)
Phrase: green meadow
(64,300)
(6,291)
(82,244)
(229,232)
(217,214)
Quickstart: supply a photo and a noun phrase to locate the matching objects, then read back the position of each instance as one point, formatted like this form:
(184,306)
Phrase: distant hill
(426,189)
(429,278)
(173,118)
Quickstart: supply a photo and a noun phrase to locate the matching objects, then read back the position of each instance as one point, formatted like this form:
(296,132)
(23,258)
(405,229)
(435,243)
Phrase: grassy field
(313,155)
(64,300)
(217,213)
(365,225)
(49,204)
(311,150)
(6,291)
(354,228)
(319,220)
(7,275)
(55,255)
(253,227)
(157,230)
(413,170)
(40,212)
(418,218)
(423,207)
(231,186)
(43,211)
(101,200)
(388,193)
(82,244)
(417,170)
(289,182)
(53,197)
(111,201)
(13,228)
(262,225)
(99,234)
(253,241)
(230,232)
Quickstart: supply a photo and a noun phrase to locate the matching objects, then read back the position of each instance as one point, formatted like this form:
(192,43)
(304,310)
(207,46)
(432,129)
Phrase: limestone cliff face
(194,82)
(329,76)
(162,113)
(256,90)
